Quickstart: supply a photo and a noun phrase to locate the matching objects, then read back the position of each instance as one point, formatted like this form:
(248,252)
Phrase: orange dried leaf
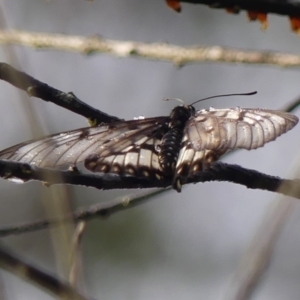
(261,17)
(295,23)
(174,4)
(233,10)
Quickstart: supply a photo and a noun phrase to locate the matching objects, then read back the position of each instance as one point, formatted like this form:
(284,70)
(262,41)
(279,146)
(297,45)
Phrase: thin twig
(76,253)
(99,210)
(45,92)
(15,265)
(155,51)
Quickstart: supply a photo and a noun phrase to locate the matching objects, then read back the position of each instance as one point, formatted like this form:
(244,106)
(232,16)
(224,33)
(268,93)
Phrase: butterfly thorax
(171,141)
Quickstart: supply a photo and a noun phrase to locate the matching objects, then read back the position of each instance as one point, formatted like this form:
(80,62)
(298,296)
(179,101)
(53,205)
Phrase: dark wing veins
(126,148)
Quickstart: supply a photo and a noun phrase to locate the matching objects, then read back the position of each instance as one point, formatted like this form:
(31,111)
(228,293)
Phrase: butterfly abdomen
(169,150)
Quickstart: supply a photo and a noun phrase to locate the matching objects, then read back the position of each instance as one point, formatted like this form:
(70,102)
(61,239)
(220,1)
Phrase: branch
(23,172)
(45,92)
(99,210)
(156,51)
(252,179)
(17,266)
(217,172)
(286,7)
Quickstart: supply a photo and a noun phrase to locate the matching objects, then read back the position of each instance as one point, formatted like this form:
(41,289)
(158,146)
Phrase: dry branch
(286,7)
(15,265)
(155,51)
(36,88)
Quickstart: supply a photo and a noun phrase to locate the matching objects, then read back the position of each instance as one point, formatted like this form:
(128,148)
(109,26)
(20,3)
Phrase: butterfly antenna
(176,99)
(225,95)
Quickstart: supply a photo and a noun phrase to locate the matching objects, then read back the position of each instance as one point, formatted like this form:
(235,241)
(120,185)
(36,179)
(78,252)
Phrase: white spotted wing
(212,132)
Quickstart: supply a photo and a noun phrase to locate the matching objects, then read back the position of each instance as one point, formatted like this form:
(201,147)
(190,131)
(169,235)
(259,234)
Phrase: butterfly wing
(125,148)
(130,147)
(211,133)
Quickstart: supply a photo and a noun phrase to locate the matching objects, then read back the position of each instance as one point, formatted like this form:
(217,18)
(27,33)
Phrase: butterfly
(158,148)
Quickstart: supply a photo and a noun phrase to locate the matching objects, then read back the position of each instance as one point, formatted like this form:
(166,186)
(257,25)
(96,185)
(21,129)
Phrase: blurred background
(176,246)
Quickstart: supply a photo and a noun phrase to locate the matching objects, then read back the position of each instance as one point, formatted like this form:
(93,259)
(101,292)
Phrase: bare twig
(45,92)
(99,210)
(156,51)
(75,253)
(15,265)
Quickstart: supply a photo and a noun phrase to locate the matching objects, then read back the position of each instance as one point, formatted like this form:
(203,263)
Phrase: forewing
(213,132)
(122,147)
(228,129)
